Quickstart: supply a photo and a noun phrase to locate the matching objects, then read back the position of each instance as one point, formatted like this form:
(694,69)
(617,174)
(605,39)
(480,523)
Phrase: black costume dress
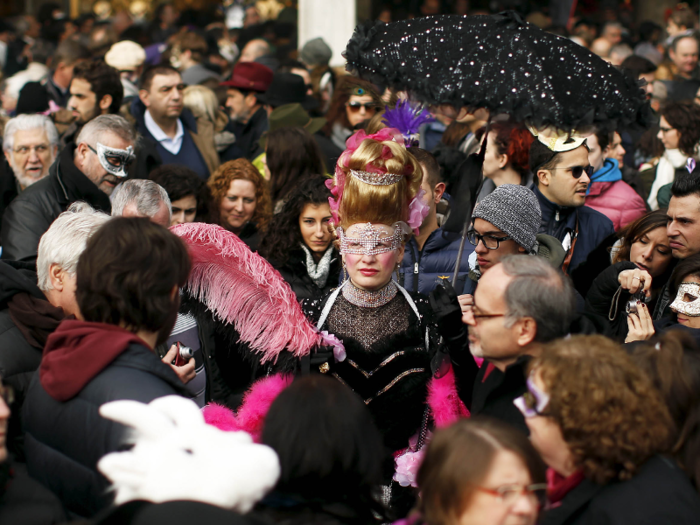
(388,364)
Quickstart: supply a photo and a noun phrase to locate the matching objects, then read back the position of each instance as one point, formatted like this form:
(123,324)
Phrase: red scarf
(558,486)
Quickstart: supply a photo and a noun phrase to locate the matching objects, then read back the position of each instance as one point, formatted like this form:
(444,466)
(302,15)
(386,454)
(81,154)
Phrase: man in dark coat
(78,174)
(520,304)
(433,253)
(31,306)
(169,130)
(248,116)
(128,275)
(561,181)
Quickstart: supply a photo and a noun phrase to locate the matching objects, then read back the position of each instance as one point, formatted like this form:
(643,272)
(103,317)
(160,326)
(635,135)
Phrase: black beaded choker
(369,298)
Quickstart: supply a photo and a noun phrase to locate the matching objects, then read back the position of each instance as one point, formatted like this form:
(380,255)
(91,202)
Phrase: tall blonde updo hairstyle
(362,202)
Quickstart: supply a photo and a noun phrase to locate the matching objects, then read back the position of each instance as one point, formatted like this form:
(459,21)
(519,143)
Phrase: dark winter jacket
(32,212)
(494,392)
(248,134)
(593,226)
(19,358)
(24,501)
(86,365)
(250,235)
(601,304)
(9,188)
(659,493)
(420,269)
(297,276)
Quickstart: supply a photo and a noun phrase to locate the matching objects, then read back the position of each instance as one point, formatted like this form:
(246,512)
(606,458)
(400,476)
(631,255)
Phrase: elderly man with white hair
(87,170)
(30,144)
(142,198)
(34,301)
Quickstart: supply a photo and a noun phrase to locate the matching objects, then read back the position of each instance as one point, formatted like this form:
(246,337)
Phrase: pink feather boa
(256,404)
(243,289)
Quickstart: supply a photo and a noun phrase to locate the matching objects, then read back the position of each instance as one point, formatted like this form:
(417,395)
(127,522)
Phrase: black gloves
(446,311)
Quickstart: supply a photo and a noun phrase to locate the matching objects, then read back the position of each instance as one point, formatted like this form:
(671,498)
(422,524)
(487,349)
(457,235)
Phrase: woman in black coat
(604,431)
(298,243)
(643,251)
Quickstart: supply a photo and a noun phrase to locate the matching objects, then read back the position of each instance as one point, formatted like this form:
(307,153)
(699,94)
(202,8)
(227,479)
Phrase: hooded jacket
(84,366)
(614,198)
(147,156)
(32,212)
(558,221)
(420,269)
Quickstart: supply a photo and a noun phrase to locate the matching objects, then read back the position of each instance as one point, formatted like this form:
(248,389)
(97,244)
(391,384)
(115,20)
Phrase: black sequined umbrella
(501,63)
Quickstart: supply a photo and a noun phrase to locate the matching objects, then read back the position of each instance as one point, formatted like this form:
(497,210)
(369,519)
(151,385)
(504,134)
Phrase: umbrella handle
(465,228)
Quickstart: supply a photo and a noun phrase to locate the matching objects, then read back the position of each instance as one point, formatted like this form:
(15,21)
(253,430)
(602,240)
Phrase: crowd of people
(230,293)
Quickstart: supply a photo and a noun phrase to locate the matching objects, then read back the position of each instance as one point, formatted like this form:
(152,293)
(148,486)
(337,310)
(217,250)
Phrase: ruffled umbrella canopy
(502,64)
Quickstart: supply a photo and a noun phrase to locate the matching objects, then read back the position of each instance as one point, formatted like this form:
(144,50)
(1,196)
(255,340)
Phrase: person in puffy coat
(127,276)
(432,254)
(607,192)
(299,244)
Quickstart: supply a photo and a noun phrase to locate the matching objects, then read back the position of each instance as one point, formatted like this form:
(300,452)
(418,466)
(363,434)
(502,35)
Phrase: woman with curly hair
(354,101)
(679,131)
(602,428)
(299,243)
(240,200)
(189,194)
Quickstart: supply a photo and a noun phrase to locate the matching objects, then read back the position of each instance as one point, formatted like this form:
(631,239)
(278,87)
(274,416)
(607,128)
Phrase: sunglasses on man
(577,171)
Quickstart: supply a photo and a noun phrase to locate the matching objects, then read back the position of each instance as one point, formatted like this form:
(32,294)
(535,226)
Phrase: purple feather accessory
(690,165)
(407,119)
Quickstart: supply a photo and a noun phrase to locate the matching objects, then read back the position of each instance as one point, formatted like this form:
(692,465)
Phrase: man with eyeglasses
(88,171)
(562,176)
(505,222)
(521,303)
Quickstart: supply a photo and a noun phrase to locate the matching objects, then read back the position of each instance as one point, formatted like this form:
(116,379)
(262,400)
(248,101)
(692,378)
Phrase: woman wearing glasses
(480,472)
(679,131)
(354,102)
(602,428)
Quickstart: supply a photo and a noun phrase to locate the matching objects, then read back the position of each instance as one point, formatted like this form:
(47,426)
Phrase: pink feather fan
(243,289)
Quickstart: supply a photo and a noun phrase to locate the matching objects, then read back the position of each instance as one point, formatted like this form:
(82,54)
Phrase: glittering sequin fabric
(368,325)
(500,63)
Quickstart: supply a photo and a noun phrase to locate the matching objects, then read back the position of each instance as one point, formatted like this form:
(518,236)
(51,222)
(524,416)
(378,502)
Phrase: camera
(635,301)
(184,354)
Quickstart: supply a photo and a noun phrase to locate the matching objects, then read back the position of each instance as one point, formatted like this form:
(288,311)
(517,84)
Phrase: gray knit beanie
(315,52)
(514,210)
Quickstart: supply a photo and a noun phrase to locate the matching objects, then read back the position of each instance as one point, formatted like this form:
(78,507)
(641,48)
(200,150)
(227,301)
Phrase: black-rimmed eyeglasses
(491,242)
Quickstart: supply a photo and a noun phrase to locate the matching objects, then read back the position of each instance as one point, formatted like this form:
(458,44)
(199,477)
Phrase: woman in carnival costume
(384,341)
(389,337)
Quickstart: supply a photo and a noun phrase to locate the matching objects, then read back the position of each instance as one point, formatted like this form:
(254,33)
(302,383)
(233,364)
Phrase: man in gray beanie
(505,222)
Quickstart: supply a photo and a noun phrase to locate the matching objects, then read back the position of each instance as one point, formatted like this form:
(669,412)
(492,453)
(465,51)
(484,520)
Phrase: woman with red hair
(507,157)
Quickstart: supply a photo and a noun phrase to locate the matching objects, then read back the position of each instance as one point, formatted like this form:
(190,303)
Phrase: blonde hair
(202,102)
(362,202)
